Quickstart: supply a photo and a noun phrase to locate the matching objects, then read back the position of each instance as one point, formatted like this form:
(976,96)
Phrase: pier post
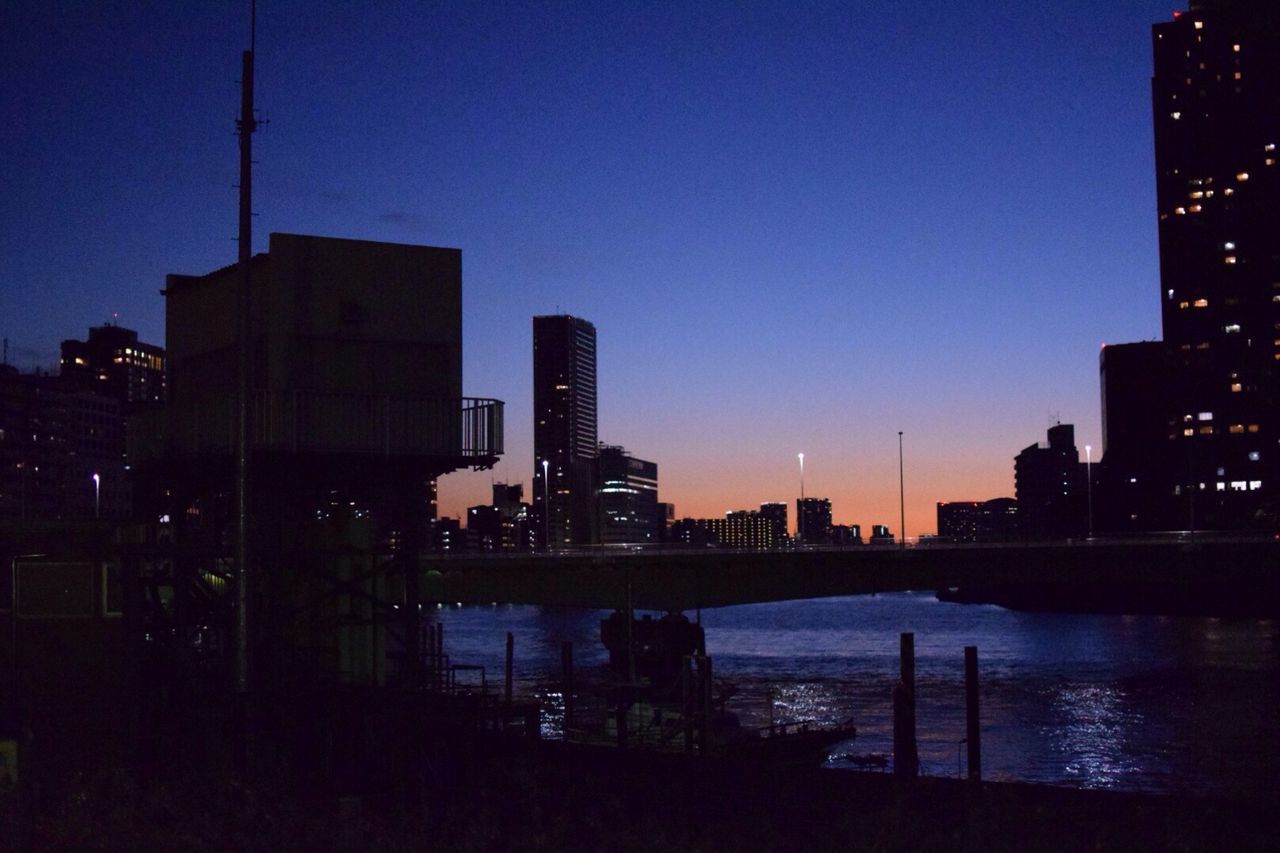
(704,703)
(686,694)
(906,759)
(566,674)
(973,733)
(506,686)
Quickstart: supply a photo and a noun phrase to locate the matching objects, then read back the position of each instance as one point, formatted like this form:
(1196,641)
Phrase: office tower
(626,498)
(1216,100)
(813,521)
(564,429)
(114,363)
(1050,487)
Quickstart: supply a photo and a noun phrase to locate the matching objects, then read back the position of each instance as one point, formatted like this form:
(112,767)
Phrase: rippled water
(1132,702)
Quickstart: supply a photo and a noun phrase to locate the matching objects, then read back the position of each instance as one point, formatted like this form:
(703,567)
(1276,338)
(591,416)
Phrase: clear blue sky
(799,226)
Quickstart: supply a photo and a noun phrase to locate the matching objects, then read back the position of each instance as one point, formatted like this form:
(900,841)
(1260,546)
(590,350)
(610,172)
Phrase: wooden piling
(566,676)
(973,732)
(686,693)
(506,686)
(906,758)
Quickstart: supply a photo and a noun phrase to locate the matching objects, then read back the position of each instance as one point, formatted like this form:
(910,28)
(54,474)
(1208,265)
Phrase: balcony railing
(310,422)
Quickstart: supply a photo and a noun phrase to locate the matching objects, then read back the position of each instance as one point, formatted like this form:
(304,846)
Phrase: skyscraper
(1216,98)
(627,498)
(564,429)
(1209,451)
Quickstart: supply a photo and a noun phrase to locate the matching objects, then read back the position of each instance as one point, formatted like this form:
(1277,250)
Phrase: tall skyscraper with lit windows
(565,439)
(1216,98)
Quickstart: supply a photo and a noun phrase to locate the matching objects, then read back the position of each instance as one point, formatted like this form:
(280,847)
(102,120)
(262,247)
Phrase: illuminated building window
(1202,345)
(1269,161)
(1175,115)
(1236,48)
(1206,430)
(1255,484)
(1237,75)
(1231,329)
(1181,211)
(1206,416)
(1236,429)
(1222,487)
(1188,431)
(1239,485)
(1228,245)
(1201,303)
(1183,304)
(1254,456)
(1170,293)
(1270,146)
(1197,194)
(1199,25)
(1195,208)
(1229,259)
(1236,388)
(1242,176)
(1228,191)
(1253,427)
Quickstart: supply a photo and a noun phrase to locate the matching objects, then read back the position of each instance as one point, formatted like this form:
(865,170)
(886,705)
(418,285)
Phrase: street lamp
(1088,474)
(902,500)
(97,495)
(546,505)
(800,506)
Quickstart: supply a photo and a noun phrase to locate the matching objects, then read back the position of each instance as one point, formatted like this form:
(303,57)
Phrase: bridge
(1193,574)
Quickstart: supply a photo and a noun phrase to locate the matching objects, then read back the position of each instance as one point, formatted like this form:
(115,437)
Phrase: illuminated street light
(800,506)
(97,495)
(546,504)
(902,500)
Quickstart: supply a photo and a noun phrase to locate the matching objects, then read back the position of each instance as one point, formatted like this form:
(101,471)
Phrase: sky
(798,227)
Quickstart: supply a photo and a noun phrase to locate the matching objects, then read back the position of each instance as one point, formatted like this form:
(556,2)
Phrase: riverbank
(505,795)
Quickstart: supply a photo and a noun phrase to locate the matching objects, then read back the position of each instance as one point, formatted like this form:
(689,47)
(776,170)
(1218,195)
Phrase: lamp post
(800,506)
(546,506)
(97,495)
(902,499)
(1088,486)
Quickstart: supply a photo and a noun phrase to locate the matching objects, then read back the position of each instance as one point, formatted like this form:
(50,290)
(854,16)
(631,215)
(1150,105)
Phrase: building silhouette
(994,520)
(1204,453)
(776,511)
(114,363)
(626,498)
(1050,487)
(813,521)
(741,528)
(564,430)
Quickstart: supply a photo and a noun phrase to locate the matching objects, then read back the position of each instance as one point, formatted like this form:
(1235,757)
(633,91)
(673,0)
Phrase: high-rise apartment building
(813,521)
(114,363)
(564,430)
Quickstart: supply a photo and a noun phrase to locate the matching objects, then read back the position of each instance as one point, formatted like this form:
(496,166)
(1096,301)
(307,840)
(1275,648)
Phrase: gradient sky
(798,226)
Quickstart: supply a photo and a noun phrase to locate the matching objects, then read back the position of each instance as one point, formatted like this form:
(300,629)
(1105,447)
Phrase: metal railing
(314,422)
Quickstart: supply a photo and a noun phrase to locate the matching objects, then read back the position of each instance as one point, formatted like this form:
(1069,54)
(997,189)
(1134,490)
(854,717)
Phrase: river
(1147,703)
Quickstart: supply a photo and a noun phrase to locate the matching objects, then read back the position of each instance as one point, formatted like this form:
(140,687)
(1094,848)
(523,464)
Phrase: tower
(564,430)
(1216,104)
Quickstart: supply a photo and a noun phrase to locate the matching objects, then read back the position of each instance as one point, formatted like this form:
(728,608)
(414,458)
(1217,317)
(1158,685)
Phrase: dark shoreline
(519,795)
(1132,599)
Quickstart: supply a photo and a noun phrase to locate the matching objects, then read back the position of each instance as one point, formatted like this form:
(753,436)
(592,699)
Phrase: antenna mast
(245,126)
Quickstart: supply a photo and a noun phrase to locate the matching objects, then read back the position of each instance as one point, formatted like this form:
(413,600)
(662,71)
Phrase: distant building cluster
(63,437)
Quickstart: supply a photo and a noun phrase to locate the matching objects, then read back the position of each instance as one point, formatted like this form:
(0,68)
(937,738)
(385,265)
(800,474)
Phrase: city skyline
(796,230)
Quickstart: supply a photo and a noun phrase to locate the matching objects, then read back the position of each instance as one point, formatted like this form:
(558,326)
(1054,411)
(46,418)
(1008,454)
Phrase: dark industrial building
(564,430)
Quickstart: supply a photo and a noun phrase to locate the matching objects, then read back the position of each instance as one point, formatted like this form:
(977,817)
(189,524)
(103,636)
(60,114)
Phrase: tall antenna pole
(245,127)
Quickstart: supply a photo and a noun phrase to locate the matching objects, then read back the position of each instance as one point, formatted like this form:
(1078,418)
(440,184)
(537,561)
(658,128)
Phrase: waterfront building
(813,521)
(741,528)
(776,511)
(626,498)
(564,430)
(881,534)
(994,520)
(846,534)
(666,517)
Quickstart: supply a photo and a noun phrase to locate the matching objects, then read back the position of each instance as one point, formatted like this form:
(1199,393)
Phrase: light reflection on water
(1131,702)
